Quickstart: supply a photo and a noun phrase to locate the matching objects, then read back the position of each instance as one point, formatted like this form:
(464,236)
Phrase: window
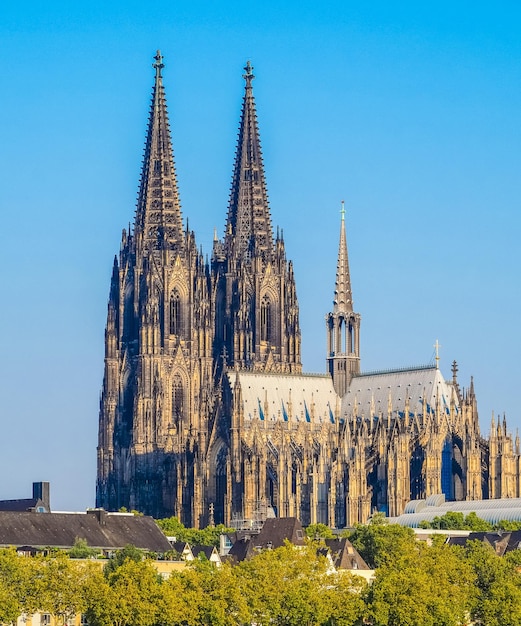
(266,322)
(175,313)
(177,399)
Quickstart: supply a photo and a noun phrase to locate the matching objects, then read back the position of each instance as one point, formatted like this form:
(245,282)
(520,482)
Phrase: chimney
(100,514)
(42,491)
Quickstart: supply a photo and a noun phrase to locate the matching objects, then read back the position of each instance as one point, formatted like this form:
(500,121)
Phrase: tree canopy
(208,536)
(415,584)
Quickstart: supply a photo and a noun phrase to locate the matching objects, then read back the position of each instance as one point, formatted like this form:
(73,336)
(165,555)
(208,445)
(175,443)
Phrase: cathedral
(205,412)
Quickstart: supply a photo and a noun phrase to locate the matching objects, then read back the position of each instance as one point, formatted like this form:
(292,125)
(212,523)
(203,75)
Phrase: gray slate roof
(501,542)
(109,531)
(369,393)
(274,532)
(23,504)
(291,398)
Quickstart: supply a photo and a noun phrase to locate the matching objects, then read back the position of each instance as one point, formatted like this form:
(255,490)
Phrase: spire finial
(248,76)
(437,351)
(158,65)
(343,211)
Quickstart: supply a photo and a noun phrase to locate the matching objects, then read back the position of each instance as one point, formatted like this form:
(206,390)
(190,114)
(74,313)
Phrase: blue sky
(409,111)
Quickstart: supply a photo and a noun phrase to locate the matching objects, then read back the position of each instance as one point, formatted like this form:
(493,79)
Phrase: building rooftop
(98,528)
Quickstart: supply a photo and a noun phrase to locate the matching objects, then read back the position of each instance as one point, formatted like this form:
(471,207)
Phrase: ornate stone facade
(205,412)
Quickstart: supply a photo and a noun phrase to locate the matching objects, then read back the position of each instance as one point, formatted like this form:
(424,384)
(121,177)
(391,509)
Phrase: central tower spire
(343,300)
(248,227)
(158,216)
(343,325)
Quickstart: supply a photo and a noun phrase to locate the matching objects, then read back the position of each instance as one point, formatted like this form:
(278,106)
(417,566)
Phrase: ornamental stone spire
(343,300)
(248,228)
(158,222)
(343,324)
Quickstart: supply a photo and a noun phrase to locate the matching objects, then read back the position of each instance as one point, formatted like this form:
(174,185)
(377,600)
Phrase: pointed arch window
(177,399)
(175,313)
(266,320)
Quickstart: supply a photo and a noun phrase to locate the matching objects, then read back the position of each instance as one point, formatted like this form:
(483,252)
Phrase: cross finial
(437,357)
(158,65)
(248,77)
(343,211)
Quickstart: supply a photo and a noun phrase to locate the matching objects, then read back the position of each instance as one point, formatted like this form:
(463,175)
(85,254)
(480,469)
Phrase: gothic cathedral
(205,412)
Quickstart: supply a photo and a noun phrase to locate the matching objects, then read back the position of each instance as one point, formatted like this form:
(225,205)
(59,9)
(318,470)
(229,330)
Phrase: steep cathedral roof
(343,301)
(287,398)
(248,227)
(158,215)
(370,393)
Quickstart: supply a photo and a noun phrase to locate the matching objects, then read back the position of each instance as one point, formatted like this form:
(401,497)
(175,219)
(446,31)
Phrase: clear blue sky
(410,111)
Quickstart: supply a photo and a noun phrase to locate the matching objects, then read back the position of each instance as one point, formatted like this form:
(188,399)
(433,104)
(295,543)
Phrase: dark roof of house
(275,531)
(514,541)
(179,546)
(24,504)
(241,550)
(208,551)
(345,555)
(110,531)
(242,535)
(501,542)
(457,541)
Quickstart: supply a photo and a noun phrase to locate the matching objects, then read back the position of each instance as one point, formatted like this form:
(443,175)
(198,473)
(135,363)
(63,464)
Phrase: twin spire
(248,227)
(159,222)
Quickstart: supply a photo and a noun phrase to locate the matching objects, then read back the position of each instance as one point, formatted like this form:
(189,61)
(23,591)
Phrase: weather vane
(437,351)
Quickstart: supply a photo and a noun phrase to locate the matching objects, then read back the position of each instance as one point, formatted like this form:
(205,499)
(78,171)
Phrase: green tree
(180,601)
(314,531)
(130,594)
(381,543)
(507,525)
(220,599)
(99,599)
(286,586)
(498,585)
(12,580)
(61,592)
(128,553)
(476,524)
(81,550)
(453,520)
(431,586)
(449,521)
(209,536)
(343,598)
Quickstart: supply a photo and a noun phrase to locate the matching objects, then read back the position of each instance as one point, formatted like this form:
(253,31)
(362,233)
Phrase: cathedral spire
(343,301)
(343,324)
(248,227)
(158,216)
